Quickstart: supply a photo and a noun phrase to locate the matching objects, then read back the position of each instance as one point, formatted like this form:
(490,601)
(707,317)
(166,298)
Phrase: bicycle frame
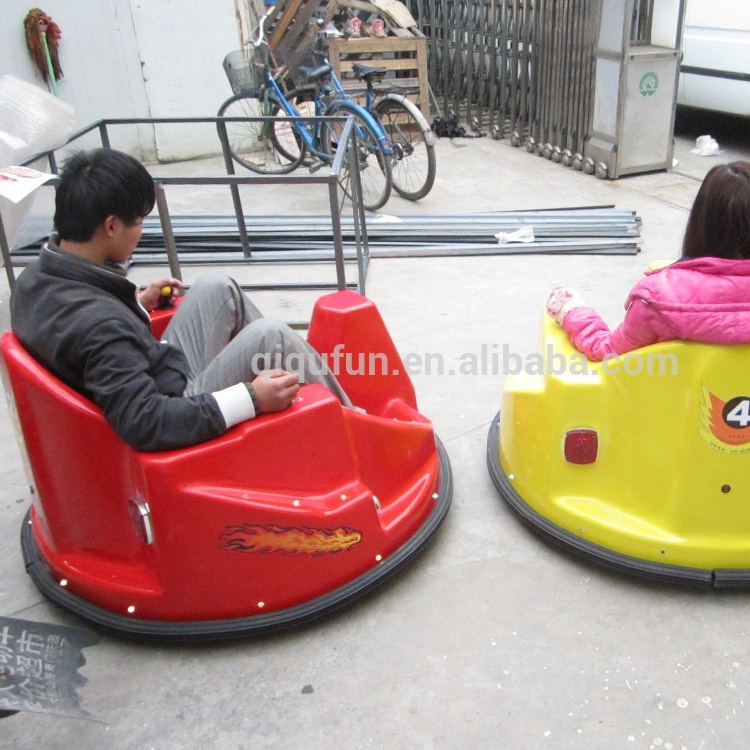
(311,136)
(339,93)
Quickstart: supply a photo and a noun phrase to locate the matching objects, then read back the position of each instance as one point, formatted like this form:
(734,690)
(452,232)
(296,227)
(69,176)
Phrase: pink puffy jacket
(701,299)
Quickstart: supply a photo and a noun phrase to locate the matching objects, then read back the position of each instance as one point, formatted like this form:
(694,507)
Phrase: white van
(715,70)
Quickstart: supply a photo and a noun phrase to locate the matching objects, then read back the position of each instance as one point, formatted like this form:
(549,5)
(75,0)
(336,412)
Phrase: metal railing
(234,182)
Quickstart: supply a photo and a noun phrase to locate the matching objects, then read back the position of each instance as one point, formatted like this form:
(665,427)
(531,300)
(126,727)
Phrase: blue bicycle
(395,146)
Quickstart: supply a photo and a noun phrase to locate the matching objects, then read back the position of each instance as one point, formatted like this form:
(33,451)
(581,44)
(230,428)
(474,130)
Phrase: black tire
(260,146)
(374,164)
(413,165)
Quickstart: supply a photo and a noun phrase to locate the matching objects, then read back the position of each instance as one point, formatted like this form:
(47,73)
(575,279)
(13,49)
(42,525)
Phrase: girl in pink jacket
(704,296)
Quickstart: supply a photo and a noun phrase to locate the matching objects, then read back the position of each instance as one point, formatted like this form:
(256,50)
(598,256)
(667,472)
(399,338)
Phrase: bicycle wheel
(263,147)
(286,140)
(373,164)
(304,102)
(413,164)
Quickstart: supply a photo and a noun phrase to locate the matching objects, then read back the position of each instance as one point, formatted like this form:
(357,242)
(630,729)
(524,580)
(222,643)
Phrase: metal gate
(521,68)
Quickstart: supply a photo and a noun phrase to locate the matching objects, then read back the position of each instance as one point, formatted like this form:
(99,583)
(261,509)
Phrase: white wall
(135,58)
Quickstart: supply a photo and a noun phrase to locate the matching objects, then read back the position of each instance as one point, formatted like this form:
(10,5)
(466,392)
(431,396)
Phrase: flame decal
(716,431)
(289,541)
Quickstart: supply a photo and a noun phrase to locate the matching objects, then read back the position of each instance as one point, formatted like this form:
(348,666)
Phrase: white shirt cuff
(235,404)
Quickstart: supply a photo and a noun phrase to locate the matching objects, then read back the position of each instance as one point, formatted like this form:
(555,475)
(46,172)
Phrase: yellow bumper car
(640,462)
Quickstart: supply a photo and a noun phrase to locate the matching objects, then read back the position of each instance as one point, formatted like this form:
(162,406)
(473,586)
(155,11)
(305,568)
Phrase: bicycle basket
(243,71)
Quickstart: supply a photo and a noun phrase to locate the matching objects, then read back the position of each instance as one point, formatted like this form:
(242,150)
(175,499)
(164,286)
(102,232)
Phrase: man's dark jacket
(84,323)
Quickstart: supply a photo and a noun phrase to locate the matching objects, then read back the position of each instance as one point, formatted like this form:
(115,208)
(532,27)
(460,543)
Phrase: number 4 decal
(725,425)
(736,412)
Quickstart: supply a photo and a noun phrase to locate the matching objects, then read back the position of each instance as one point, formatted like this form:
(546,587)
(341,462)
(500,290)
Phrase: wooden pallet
(404,57)
(291,32)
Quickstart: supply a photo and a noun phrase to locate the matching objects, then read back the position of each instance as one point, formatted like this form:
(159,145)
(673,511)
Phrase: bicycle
(413,162)
(269,147)
(391,131)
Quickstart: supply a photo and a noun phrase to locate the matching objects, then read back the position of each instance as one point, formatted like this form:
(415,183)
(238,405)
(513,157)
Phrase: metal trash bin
(637,70)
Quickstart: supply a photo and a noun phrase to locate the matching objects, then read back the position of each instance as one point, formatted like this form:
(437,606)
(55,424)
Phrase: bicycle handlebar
(261,38)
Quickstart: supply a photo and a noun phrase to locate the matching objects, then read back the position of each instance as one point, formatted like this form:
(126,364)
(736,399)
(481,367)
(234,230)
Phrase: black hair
(719,223)
(97,184)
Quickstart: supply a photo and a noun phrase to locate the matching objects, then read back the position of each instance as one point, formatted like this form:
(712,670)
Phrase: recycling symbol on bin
(648,84)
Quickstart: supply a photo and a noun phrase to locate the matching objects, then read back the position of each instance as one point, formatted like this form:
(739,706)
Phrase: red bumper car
(280,520)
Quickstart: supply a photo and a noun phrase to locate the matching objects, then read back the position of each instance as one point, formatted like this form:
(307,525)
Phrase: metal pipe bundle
(214,239)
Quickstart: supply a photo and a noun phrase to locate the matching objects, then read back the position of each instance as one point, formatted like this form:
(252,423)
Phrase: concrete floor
(491,638)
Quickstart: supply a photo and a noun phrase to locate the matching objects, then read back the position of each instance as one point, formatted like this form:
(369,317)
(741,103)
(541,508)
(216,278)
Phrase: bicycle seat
(365,72)
(311,74)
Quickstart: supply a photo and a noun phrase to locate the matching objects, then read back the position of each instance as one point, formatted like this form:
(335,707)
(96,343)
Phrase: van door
(715,70)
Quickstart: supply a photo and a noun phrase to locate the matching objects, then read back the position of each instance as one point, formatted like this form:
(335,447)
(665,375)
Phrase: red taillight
(581,446)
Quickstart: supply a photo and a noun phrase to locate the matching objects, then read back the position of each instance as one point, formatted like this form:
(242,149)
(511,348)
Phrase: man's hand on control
(275,390)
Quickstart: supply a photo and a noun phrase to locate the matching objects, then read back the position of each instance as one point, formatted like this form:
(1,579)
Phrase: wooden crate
(402,55)
(291,31)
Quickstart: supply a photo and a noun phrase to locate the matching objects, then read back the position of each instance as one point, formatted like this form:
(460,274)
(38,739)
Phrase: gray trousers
(227,340)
